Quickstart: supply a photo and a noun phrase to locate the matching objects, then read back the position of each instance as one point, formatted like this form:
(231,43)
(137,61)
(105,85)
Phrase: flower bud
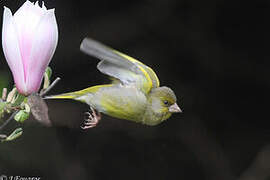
(29,39)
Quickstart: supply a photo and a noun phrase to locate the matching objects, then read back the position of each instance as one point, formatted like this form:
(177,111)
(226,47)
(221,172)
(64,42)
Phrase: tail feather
(71,95)
(76,94)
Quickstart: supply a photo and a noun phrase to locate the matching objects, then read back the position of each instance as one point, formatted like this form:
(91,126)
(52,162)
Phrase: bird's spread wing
(121,66)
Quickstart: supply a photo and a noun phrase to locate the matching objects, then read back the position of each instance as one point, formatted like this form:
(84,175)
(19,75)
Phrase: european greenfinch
(134,93)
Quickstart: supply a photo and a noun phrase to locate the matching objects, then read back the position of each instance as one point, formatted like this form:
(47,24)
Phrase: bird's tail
(77,94)
(71,95)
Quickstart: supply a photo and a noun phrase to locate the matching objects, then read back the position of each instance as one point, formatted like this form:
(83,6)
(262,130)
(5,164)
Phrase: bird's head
(163,103)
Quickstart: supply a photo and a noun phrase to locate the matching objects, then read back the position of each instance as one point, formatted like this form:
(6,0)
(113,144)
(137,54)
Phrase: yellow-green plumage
(134,94)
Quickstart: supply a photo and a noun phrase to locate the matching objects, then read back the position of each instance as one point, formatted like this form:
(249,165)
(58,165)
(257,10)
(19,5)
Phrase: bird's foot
(92,119)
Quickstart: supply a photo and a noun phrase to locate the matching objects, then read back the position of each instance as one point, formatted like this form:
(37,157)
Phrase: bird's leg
(92,119)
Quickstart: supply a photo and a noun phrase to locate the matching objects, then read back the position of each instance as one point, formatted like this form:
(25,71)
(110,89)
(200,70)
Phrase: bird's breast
(121,102)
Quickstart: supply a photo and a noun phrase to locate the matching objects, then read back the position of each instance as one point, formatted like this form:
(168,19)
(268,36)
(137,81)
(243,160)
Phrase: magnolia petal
(43,47)
(25,7)
(43,6)
(29,7)
(12,51)
(27,19)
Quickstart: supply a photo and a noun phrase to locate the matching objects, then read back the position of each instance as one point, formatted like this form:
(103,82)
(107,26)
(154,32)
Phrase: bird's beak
(175,108)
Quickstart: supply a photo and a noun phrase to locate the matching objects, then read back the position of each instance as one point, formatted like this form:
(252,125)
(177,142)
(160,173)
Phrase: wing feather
(121,66)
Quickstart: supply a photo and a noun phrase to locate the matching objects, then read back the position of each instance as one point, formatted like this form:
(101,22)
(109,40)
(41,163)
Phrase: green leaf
(48,72)
(21,116)
(14,135)
(19,99)
(47,76)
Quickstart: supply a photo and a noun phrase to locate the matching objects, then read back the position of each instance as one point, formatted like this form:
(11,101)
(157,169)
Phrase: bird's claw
(92,119)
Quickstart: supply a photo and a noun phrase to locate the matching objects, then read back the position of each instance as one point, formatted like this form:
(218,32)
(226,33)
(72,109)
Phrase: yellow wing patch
(152,80)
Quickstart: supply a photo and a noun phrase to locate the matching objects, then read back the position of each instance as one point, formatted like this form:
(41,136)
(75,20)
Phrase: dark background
(213,54)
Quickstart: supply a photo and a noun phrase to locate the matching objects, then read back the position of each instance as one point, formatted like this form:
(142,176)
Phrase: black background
(213,54)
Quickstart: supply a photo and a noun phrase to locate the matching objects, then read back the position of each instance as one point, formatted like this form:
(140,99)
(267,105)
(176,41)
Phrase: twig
(8,120)
(50,87)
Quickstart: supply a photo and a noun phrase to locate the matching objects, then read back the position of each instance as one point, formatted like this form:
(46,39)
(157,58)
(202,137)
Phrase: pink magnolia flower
(29,39)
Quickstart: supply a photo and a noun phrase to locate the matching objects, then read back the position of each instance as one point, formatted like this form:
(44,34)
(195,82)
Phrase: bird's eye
(166,102)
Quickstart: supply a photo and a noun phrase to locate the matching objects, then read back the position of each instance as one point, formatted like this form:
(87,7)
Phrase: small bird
(134,93)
